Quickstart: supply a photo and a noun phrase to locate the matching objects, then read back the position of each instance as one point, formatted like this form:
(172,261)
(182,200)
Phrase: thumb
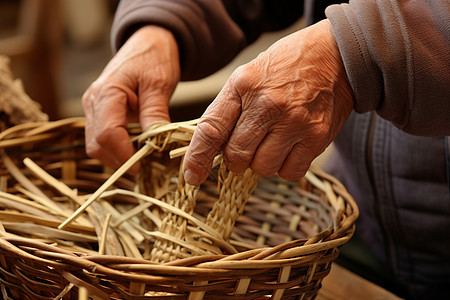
(153,107)
(211,134)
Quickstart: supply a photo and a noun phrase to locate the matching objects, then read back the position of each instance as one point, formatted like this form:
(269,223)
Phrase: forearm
(396,55)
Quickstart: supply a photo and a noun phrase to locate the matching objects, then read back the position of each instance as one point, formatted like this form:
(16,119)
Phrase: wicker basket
(73,229)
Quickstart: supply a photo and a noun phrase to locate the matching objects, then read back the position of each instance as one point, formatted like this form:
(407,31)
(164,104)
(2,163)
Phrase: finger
(253,125)
(116,148)
(106,127)
(271,153)
(211,134)
(297,162)
(244,140)
(153,107)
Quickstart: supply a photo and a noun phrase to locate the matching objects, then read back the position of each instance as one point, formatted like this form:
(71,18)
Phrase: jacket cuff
(362,72)
(203,30)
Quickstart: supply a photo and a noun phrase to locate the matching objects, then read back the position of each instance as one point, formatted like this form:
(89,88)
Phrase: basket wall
(285,241)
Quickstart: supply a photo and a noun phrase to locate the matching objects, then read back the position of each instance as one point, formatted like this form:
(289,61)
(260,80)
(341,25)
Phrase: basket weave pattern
(237,236)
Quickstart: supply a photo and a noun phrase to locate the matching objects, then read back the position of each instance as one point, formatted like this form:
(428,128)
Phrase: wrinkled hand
(278,112)
(135,86)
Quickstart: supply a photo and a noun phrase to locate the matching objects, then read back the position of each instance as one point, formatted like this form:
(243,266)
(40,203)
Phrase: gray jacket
(390,154)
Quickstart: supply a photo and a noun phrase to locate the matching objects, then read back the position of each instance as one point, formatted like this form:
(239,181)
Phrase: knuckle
(234,153)
(211,133)
(237,161)
(97,84)
(90,94)
(96,88)
(99,91)
(163,84)
(240,74)
(242,78)
(269,109)
(206,142)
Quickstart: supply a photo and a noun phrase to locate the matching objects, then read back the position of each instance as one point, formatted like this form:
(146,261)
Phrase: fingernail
(191,178)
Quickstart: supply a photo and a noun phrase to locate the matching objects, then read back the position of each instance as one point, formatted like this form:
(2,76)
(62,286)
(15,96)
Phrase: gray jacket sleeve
(397,58)
(209,33)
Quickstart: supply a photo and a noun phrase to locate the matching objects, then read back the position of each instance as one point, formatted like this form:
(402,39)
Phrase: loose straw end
(64,224)
(125,167)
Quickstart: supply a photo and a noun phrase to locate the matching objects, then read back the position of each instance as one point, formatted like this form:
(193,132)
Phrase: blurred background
(58,48)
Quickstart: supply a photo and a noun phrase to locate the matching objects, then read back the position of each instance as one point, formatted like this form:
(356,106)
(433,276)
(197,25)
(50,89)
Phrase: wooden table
(342,284)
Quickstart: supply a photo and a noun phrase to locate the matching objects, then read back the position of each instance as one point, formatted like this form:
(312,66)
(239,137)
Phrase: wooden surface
(342,284)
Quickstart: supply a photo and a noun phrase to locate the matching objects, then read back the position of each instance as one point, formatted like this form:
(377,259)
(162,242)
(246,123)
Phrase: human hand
(135,86)
(278,112)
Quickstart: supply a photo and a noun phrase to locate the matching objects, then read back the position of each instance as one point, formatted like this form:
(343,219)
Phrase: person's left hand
(278,112)
(136,85)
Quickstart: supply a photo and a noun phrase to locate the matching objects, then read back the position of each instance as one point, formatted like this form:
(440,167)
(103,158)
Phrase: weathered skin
(301,96)
(136,85)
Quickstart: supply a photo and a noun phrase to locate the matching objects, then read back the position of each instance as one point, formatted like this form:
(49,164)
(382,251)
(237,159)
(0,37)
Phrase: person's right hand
(135,86)
(277,113)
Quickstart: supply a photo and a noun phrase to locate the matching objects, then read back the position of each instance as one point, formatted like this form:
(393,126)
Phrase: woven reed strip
(234,191)
(175,226)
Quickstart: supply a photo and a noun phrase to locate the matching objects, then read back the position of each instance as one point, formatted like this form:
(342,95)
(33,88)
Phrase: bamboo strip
(156,129)
(19,203)
(126,226)
(49,232)
(64,291)
(153,218)
(15,172)
(13,132)
(74,122)
(178,152)
(45,201)
(182,243)
(27,140)
(50,180)
(131,213)
(130,247)
(13,216)
(167,207)
(98,215)
(315,181)
(101,248)
(82,293)
(124,168)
